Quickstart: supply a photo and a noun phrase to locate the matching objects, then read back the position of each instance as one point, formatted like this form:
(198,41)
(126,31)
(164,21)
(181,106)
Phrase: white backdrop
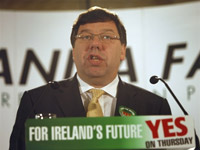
(150,33)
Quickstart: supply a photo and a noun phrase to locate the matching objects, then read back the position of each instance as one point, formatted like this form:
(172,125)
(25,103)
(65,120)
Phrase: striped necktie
(94,108)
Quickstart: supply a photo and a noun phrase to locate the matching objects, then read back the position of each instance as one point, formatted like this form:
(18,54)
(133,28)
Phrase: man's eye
(106,37)
(86,37)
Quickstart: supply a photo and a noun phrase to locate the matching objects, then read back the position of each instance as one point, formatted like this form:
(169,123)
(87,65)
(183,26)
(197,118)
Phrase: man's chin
(96,75)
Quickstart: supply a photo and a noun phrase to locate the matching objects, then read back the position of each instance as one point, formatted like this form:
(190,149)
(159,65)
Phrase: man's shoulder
(49,90)
(53,85)
(128,87)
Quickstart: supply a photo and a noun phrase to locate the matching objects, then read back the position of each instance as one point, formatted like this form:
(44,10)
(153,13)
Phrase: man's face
(98,58)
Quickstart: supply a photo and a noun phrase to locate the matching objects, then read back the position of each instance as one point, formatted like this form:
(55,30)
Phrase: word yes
(168,126)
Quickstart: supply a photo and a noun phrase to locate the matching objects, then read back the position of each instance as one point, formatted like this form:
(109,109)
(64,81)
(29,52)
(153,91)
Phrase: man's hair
(98,14)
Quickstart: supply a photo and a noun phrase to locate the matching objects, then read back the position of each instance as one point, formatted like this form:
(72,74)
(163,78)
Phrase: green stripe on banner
(90,133)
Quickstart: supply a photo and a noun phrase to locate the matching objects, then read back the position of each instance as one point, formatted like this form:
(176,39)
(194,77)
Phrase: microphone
(154,80)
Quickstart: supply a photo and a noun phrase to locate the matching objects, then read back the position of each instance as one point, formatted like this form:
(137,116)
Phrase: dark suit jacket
(63,99)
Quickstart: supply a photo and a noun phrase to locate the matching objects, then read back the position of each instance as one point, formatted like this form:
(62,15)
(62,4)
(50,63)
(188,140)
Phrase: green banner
(138,132)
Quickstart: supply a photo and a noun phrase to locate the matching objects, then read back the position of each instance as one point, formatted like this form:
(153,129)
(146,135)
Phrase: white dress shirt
(106,101)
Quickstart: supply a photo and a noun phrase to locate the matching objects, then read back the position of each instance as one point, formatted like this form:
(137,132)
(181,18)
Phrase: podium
(98,133)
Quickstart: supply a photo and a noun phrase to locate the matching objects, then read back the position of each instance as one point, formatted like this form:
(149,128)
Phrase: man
(99,43)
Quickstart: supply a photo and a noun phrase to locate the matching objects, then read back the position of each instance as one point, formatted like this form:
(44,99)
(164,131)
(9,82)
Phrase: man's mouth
(95,57)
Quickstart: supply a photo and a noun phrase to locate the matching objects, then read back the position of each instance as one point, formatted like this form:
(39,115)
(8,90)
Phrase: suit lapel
(70,103)
(69,99)
(124,96)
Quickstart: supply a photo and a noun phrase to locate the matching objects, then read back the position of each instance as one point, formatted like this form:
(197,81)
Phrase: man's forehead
(98,27)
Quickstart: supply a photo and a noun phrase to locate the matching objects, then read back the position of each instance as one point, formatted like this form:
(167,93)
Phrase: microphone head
(154,79)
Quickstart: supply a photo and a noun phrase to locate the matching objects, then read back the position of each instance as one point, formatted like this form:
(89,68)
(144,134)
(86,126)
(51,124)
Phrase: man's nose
(96,38)
(95,47)
(96,43)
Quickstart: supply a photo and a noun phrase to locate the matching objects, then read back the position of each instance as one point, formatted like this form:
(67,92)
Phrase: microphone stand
(154,80)
(184,111)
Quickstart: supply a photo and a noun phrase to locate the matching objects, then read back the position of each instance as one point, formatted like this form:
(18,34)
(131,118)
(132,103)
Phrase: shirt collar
(111,88)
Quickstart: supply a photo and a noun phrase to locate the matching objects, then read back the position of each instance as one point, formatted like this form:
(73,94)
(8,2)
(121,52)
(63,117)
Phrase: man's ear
(123,52)
(73,53)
